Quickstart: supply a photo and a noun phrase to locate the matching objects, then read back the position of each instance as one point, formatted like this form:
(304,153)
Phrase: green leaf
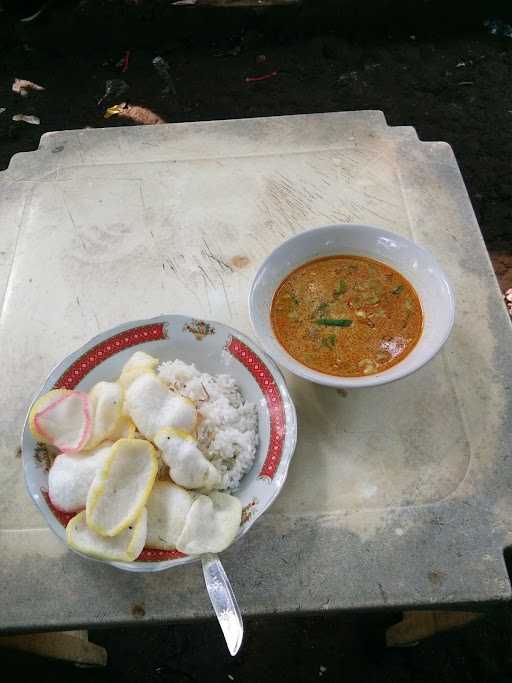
(329,341)
(334,322)
(341,288)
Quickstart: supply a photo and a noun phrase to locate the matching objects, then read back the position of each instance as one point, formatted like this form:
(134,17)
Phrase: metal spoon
(223,601)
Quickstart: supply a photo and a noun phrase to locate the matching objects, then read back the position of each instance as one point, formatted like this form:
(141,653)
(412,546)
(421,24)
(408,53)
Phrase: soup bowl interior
(414,262)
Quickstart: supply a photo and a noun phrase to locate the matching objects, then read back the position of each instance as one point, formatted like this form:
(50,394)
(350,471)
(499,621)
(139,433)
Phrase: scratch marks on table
(73,223)
(293,203)
(207,284)
(80,148)
(82,312)
(85,317)
(210,286)
(213,271)
(206,277)
(361,210)
(383,593)
(170,265)
(208,252)
(226,298)
(270,222)
(370,162)
(335,188)
(141,194)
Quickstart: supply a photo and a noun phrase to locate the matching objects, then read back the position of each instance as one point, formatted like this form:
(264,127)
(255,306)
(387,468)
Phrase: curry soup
(346,315)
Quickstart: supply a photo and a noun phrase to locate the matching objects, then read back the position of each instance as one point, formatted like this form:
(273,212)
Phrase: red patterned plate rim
(75,367)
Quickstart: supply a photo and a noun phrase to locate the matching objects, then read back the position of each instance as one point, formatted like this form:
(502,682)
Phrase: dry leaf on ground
(23,87)
(34,120)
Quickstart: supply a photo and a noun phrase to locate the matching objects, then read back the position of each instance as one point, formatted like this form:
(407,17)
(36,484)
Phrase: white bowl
(214,348)
(414,262)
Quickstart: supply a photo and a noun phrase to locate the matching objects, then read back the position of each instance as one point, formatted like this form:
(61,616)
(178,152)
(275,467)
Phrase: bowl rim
(289,445)
(277,351)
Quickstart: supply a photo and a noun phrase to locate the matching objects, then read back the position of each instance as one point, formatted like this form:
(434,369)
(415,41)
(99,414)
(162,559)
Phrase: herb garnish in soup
(346,315)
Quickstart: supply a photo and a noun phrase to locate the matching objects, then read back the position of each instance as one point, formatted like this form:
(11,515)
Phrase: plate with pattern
(214,348)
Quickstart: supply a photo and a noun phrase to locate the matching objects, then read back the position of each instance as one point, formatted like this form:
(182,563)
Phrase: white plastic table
(397,496)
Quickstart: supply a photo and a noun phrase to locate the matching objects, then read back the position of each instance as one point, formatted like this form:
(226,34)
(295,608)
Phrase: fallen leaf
(23,87)
(139,115)
(111,111)
(34,120)
(508,300)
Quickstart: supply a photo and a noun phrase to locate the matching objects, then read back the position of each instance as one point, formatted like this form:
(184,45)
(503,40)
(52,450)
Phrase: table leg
(71,646)
(419,625)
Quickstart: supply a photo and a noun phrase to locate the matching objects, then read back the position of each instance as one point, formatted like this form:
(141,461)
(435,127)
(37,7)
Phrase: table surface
(397,496)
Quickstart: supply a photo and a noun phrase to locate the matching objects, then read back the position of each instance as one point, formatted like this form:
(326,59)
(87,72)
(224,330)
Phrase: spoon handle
(223,601)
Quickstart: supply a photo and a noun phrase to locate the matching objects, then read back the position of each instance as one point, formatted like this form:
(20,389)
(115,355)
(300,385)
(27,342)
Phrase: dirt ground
(450,86)
(454,88)
(330,649)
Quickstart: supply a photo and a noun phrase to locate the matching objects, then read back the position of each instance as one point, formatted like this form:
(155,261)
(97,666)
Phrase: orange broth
(346,315)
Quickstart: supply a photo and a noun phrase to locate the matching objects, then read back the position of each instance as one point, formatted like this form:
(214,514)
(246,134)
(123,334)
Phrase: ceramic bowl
(214,348)
(414,262)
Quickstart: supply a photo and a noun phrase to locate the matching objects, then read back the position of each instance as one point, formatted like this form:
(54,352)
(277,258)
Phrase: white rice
(228,426)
